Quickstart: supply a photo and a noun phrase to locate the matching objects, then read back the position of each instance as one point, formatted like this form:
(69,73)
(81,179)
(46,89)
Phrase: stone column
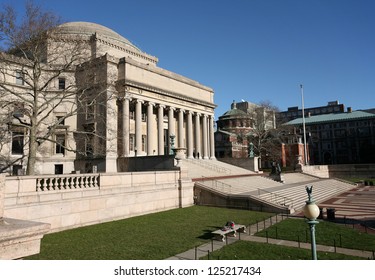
(138,127)
(171,126)
(125,126)
(205,138)
(190,145)
(198,152)
(181,128)
(212,138)
(150,111)
(161,130)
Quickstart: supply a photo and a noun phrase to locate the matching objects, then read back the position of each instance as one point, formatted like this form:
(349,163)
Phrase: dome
(235,112)
(89,28)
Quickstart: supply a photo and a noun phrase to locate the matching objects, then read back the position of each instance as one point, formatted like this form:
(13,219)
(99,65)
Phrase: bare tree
(264,136)
(39,95)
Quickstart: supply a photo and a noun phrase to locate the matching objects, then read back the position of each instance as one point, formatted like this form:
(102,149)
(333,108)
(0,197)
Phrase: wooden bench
(222,233)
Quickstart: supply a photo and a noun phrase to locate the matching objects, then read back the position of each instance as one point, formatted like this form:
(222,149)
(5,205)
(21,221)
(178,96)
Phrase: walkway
(205,249)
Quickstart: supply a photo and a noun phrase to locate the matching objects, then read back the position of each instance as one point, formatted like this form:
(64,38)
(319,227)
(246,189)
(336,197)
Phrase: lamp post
(311,212)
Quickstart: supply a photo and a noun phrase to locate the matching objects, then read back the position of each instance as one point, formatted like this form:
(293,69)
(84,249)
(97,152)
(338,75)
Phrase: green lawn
(327,233)
(246,250)
(154,236)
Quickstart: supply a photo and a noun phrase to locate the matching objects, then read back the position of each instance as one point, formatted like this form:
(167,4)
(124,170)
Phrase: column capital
(136,100)
(161,106)
(197,114)
(171,108)
(151,103)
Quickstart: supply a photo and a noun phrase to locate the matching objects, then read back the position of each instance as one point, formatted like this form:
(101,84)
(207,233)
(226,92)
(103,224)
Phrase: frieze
(172,95)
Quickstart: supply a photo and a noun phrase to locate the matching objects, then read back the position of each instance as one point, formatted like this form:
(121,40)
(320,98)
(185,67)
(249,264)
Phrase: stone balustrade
(67,182)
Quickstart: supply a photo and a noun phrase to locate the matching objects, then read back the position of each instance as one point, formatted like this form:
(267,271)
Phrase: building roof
(234,112)
(348,116)
(89,28)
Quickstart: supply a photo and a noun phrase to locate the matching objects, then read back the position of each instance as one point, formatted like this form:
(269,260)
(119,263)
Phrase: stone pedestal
(19,238)
(179,154)
(254,164)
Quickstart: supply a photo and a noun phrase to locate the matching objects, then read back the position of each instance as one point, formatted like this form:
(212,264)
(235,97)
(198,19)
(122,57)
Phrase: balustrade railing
(67,182)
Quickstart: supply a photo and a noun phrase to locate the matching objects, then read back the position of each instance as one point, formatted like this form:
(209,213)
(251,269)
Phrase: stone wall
(209,197)
(246,163)
(341,170)
(69,201)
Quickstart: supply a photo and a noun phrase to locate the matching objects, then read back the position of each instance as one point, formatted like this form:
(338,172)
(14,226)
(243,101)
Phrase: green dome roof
(234,112)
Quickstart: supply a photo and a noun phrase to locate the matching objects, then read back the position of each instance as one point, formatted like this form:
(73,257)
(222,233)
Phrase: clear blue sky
(250,49)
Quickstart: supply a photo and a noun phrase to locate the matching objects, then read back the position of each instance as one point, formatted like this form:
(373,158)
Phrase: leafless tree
(38,79)
(265,136)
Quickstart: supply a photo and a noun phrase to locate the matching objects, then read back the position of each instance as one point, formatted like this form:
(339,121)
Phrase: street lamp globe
(311,210)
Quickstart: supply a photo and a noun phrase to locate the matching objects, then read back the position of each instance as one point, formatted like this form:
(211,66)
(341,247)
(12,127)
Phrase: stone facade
(138,106)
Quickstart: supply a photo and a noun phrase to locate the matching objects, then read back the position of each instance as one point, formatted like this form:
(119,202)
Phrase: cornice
(171,94)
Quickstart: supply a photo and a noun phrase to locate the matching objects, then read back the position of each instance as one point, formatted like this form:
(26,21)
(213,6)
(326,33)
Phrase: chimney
(349,109)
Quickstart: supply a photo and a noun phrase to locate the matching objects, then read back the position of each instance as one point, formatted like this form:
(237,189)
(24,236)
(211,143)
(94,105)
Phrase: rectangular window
(61,83)
(17,143)
(132,115)
(59,169)
(89,146)
(60,120)
(90,110)
(144,139)
(20,78)
(131,142)
(60,144)
(17,170)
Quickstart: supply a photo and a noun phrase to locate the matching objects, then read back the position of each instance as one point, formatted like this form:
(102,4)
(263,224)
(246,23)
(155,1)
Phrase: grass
(153,236)
(327,233)
(247,250)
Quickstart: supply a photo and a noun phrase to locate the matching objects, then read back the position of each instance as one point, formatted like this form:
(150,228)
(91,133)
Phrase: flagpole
(304,125)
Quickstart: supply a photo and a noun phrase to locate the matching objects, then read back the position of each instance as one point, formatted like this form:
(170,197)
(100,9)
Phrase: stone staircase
(291,193)
(198,168)
(323,189)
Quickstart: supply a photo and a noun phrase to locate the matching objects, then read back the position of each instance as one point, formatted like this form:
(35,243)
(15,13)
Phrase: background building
(245,124)
(336,138)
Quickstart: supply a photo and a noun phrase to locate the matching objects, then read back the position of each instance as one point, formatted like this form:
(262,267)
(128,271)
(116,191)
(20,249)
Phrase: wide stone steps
(198,168)
(322,190)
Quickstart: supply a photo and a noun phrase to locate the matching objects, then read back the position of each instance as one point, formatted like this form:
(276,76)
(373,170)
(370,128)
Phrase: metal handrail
(274,197)
(217,185)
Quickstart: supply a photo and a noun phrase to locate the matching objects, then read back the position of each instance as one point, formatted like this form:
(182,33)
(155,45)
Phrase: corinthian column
(138,126)
(205,138)
(198,151)
(150,110)
(190,146)
(171,126)
(125,126)
(212,138)
(161,130)
(181,128)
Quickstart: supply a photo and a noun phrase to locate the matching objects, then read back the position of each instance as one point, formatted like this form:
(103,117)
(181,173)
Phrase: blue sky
(254,50)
